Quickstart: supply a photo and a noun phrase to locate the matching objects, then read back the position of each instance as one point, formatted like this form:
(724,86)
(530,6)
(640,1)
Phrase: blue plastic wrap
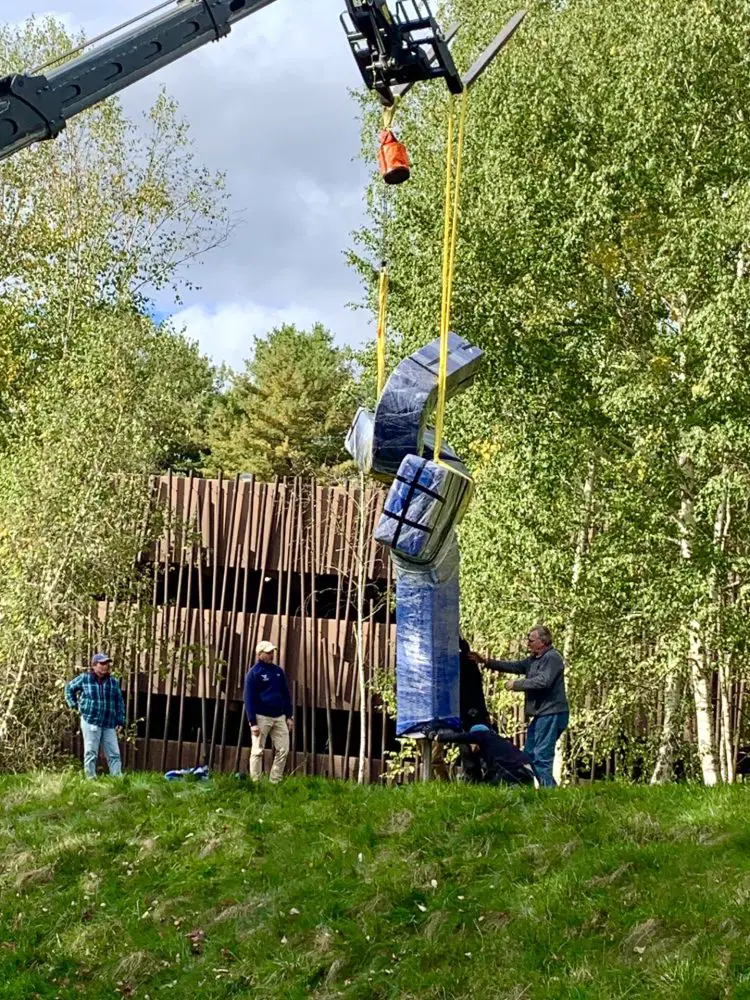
(359,444)
(427,651)
(409,398)
(359,439)
(424,503)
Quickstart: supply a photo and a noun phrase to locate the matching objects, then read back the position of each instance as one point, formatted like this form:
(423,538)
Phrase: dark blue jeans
(543,733)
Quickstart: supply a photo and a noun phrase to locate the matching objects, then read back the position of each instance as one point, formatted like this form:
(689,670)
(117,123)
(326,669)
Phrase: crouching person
(496,761)
(269,712)
(97,696)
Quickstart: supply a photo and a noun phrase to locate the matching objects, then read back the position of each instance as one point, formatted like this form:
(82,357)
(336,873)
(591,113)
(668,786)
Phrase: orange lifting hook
(393,159)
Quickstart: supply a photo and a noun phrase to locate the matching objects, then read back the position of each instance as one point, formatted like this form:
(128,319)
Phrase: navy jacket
(267,693)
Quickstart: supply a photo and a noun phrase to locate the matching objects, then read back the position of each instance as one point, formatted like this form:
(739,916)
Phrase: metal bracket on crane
(396,50)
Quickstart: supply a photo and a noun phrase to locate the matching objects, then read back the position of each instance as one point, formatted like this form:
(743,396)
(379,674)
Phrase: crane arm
(37,107)
(392,51)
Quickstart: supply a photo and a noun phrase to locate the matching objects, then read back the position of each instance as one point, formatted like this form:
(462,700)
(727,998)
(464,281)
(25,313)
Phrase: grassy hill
(142,888)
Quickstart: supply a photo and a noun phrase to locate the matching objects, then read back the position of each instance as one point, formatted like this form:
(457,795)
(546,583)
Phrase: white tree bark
(582,541)
(725,742)
(696,662)
(673,687)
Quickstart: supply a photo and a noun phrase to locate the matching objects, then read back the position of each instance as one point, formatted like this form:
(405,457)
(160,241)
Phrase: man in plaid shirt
(97,696)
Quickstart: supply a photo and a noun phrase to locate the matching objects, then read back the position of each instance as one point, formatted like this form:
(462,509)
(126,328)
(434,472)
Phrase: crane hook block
(393,159)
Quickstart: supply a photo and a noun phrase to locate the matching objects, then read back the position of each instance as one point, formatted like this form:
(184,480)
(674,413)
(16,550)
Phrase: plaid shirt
(99,702)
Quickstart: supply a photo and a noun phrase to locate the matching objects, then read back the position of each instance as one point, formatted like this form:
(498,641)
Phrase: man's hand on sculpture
(509,685)
(477,657)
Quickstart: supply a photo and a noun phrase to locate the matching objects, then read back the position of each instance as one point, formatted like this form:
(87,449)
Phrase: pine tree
(287,414)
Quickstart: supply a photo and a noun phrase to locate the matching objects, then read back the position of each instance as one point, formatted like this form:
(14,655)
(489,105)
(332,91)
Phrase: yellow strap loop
(450,239)
(388,114)
(382,335)
(382,317)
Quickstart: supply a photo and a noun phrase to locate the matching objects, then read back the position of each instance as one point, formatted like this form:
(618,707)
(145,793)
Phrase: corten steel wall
(239,561)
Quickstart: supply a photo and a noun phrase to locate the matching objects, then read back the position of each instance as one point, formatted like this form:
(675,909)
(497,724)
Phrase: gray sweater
(543,683)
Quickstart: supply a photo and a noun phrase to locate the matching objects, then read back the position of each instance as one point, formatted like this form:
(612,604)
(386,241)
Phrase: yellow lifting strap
(450,236)
(382,317)
(382,334)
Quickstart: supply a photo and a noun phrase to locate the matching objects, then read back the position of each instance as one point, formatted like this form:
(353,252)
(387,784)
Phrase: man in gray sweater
(546,708)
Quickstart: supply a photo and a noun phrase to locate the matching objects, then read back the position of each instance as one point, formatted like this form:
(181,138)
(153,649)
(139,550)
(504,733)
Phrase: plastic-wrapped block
(427,644)
(359,445)
(409,398)
(425,502)
(359,439)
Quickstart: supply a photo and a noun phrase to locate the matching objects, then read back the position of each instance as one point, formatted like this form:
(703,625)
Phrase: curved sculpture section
(425,503)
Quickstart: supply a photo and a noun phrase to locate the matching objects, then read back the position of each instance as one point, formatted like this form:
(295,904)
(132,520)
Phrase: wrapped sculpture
(425,503)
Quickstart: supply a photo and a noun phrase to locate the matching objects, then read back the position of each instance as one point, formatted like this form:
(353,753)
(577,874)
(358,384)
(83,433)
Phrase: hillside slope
(142,888)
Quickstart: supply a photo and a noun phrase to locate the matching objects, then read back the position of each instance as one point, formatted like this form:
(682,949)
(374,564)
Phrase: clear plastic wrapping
(427,651)
(425,502)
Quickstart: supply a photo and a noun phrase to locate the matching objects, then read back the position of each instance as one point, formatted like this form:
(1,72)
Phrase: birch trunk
(725,745)
(696,662)
(673,688)
(582,540)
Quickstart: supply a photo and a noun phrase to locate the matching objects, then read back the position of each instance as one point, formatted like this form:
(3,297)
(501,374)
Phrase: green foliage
(94,397)
(602,266)
(73,508)
(141,887)
(107,212)
(287,414)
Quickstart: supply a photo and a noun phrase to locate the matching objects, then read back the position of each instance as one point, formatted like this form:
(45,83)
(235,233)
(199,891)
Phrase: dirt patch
(641,936)
(209,847)
(323,939)
(235,912)
(34,876)
(399,822)
(610,877)
(134,967)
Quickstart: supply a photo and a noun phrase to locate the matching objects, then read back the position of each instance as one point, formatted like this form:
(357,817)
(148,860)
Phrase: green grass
(317,889)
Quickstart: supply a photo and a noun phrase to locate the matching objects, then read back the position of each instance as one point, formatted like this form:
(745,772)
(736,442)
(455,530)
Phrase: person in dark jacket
(472,703)
(546,708)
(499,762)
(269,711)
(97,696)
(472,709)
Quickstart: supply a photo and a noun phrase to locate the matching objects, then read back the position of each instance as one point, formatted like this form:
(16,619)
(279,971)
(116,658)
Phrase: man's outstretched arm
(503,666)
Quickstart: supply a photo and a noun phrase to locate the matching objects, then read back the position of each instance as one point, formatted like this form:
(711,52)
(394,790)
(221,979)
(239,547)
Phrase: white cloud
(269,106)
(226,331)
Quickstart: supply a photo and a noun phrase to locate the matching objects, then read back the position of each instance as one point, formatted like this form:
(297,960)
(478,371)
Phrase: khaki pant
(279,733)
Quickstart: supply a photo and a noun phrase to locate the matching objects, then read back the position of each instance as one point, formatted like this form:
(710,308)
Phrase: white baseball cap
(264,646)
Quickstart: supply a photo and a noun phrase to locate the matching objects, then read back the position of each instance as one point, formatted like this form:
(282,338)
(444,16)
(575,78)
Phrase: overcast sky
(270,106)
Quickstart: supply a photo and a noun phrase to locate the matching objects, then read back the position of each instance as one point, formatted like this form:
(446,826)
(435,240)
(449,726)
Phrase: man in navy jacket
(269,712)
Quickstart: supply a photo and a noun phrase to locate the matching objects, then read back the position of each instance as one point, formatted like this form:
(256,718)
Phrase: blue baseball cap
(479,729)
(101,658)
